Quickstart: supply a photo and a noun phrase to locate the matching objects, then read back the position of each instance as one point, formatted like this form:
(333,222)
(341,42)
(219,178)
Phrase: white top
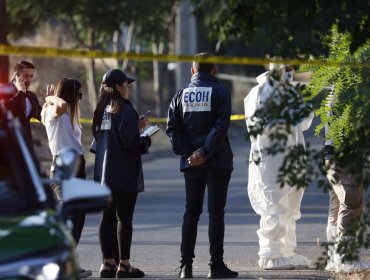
(61,134)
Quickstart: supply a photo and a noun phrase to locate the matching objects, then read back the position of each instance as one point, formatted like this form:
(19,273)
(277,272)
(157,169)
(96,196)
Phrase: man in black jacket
(24,104)
(197,124)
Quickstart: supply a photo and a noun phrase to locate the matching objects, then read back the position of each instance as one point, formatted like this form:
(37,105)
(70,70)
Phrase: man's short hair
(201,66)
(23,65)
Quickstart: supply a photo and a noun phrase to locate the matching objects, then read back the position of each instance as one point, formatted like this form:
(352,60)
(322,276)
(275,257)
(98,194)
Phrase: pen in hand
(143,116)
(143,121)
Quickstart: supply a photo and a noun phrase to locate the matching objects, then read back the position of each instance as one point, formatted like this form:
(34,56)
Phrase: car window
(17,194)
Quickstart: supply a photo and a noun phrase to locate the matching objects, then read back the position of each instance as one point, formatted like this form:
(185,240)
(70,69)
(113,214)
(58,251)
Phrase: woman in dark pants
(61,117)
(119,146)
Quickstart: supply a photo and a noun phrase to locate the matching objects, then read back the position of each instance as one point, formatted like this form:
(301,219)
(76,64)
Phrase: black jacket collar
(204,77)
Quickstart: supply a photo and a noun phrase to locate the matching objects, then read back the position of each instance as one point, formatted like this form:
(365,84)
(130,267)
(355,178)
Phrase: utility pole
(185,41)
(4,60)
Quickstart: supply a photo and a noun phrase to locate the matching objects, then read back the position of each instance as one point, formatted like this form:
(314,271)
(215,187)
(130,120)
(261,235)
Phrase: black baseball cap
(115,76)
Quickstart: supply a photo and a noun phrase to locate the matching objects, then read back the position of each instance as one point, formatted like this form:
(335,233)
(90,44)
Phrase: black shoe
(129,272)
(108,273)
(186,271)
(217,271)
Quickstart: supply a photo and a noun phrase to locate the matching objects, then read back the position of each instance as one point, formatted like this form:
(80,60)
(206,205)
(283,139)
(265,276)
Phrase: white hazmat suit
(279,207)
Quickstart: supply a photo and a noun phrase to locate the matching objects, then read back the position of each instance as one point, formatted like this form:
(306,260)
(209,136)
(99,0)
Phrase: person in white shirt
(61,117)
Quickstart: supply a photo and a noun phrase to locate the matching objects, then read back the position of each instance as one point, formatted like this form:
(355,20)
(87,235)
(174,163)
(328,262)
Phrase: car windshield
(17,193)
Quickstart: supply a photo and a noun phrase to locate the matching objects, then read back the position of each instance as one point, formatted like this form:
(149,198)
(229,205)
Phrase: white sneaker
(282,263)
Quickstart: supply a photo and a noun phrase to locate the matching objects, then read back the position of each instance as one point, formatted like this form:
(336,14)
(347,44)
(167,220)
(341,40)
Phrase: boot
(186,271)
(220,270)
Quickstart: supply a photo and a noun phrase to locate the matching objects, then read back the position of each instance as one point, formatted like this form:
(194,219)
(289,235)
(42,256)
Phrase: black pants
(78,219)
(217,182)
(116,224)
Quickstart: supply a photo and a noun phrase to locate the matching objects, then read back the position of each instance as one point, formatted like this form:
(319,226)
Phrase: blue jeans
(217,182)
(78,219)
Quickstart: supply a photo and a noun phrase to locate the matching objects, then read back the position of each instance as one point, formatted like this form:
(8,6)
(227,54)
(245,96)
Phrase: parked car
(35,242)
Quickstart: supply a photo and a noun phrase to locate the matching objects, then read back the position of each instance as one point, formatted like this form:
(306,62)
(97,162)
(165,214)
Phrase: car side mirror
(80,195)
(67,164)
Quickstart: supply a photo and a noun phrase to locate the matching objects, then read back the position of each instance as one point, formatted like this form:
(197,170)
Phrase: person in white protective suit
(279,207)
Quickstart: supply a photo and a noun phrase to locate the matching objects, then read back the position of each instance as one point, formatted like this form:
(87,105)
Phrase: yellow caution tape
(237,118)
(86,120)
(74,53)
(155,120)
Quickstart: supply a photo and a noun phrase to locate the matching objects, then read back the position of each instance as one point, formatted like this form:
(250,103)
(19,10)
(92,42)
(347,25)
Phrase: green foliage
(294,168)
(102,17)
(24,16)
(339,78)
(349,122)
(349,127)
(286,28)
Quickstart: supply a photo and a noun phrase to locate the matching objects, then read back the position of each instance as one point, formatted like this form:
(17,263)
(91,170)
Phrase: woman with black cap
(119,146)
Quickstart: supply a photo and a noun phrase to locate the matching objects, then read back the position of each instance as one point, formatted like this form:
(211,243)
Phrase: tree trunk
(136,93)
(130,33)
(185,41)
(136,86)
(91,73)
(157,85)
(115,46)
(130,71)
(4,60)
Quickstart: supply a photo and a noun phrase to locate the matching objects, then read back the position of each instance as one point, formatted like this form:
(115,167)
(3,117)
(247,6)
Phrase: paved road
(158,216)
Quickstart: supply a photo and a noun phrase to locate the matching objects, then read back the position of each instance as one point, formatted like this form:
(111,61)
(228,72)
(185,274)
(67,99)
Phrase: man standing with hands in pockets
(197,124)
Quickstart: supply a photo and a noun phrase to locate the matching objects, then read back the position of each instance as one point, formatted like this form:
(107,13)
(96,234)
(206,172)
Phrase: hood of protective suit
(262,78)
(254,101)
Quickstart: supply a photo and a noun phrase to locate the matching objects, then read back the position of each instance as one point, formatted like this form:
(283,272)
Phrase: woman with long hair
(61,116)
(119,146)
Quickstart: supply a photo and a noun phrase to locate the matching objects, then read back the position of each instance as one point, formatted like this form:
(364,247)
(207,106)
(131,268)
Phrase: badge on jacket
(196,99)
(106,123)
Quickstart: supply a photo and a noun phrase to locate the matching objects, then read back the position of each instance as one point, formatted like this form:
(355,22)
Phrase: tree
(349,126)
(350,121)
(285,28)
(97,24)
(83,19)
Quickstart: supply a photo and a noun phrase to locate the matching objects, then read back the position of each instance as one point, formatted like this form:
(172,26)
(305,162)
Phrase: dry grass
(363,275)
